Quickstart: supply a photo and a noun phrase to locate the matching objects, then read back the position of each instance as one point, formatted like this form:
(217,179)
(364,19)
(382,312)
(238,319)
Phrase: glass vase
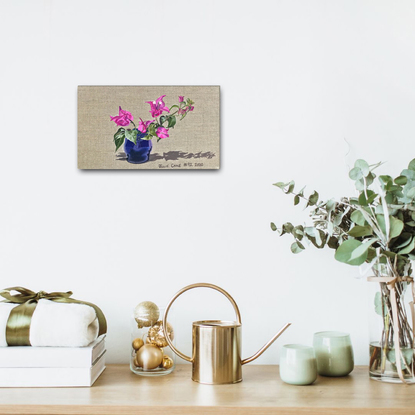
(383,354)
(150,354)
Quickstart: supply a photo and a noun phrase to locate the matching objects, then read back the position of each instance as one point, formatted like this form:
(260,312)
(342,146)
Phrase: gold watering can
(216,357)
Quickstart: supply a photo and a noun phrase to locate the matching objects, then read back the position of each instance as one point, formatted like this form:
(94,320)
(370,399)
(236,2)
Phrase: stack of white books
(52,366)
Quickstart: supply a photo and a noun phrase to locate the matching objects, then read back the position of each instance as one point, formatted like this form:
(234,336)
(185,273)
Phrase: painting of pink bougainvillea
(148,127)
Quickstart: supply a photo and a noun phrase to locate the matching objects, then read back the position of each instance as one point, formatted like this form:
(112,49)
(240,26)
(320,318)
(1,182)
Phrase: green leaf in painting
(296,200)
(411,165)
(172,122)
(131,135)
(152,129)
(163,119)
(273,227)
(119,138)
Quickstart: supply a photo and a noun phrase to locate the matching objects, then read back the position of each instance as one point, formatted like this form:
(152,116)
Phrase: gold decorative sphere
(156,334)
(149,356)
(146,314)
(167,362)
(137,343)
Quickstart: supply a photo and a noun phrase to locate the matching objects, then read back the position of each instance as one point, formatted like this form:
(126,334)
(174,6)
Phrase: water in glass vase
(383,364)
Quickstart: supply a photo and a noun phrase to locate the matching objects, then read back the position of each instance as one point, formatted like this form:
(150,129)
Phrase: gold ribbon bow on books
(390,283)
(18,324)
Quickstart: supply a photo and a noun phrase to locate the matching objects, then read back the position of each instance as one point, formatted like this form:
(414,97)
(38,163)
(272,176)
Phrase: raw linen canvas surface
(193,143)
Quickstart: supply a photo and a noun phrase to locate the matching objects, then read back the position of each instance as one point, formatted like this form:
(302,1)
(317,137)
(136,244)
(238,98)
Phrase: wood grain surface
(118,391)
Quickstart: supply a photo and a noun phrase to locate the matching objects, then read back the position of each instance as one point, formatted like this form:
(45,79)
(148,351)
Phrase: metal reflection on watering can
(216,357)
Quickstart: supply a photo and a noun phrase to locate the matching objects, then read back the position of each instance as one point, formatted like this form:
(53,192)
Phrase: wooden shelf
(118,391)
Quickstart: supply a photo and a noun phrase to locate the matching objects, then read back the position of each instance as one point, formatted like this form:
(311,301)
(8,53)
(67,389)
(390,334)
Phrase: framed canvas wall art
(148,127)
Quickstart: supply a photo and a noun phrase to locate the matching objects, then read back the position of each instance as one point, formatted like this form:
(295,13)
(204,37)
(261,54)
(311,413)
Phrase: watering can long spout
(265,347)
(216,354)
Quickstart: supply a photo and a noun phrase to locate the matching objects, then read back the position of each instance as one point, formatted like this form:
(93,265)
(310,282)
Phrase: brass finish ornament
(137,343)
(149,356)
(167,362)
(146,314)
(156,334)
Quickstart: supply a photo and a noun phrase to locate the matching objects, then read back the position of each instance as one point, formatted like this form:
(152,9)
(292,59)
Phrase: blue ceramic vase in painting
(140,152)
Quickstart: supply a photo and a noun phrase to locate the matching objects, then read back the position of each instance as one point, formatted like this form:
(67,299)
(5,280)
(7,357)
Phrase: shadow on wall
(173,155)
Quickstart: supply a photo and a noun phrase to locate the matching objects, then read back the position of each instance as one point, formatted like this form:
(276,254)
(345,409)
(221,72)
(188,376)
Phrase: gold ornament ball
(137,343)
(167,362)
(146,314)
(156,334)
(149,356)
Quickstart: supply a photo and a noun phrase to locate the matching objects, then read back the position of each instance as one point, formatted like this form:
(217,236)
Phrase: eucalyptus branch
(355,225)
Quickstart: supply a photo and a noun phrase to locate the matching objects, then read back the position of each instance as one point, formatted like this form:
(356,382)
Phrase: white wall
(297,79)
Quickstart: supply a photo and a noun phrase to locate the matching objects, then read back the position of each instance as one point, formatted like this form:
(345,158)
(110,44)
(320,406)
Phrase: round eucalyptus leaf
(363,166)
(345,250)
(355,173)
(297,247)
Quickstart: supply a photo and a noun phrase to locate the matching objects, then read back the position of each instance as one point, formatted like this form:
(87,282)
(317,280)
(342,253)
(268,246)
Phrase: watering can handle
(189,287)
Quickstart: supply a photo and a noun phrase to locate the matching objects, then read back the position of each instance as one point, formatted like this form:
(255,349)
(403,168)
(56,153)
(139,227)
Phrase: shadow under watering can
(216,357)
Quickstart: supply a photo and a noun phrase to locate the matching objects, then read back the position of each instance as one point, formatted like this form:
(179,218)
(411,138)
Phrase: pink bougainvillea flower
(123,118)
(157,106)
(162,132)
(182,111)
(181,98)
(142,125)
(191,108)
